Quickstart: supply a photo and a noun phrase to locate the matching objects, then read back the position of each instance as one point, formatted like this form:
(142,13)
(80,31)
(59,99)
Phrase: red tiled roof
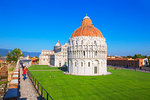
(1,61)
(87,29)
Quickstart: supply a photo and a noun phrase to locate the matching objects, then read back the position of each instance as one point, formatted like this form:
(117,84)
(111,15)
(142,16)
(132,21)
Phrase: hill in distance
(3,53)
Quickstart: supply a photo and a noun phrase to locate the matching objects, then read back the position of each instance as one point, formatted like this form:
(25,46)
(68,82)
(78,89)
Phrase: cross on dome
(86,17)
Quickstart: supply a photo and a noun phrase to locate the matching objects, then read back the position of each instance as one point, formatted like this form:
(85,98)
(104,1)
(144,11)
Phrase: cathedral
(87,50)
(56,58)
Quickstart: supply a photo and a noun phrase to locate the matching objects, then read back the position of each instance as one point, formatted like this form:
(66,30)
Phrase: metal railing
(44,95)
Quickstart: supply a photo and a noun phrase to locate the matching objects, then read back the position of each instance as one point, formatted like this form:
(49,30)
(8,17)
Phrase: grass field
(120,85)
(42,67)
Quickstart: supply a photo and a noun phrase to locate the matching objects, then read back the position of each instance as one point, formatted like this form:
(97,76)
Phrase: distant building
(44,58)
(56,57)
(34,60)
(127,62)
(114,57)
(25,60)
(1,63)
(3,59)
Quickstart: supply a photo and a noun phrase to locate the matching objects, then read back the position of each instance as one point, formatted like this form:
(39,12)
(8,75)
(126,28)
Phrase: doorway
(59,64)
(95,70)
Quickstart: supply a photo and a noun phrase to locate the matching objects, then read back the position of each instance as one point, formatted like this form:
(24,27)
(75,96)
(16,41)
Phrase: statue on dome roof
(58,44)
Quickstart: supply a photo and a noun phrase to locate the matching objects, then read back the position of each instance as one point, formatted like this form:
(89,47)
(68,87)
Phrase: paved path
(27,90)
(134,69)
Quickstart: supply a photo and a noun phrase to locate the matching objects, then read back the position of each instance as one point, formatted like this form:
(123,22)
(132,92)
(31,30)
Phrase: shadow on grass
(63,68)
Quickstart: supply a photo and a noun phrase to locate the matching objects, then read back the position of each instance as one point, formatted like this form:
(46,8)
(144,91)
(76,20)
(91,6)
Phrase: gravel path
(27,90)
(134,69)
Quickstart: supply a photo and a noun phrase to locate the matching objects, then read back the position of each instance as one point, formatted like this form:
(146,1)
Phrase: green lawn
(42,67)
(120,85)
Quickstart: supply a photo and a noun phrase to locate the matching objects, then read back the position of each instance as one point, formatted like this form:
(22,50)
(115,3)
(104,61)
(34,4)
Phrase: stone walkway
(27,90)
(137,69)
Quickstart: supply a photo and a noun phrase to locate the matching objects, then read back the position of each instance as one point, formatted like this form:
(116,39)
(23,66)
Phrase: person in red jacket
(24,72)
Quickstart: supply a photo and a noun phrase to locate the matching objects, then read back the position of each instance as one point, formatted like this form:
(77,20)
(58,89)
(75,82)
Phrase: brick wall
(136,63)
(3,72)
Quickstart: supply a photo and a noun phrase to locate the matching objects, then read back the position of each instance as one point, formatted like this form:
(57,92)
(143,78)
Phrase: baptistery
(87,51)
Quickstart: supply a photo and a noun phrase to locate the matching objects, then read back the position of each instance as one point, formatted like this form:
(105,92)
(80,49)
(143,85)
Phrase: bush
(3,82)
(11,69)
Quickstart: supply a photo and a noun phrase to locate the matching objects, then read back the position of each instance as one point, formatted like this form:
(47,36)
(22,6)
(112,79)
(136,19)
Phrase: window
(95,53)
(95,42)
(88,64)
(83,53)
(59,64)
(75,64)
(82,42)
(81,64)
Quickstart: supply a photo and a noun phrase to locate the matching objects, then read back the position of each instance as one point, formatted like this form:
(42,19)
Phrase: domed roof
(87,29)
(58,44)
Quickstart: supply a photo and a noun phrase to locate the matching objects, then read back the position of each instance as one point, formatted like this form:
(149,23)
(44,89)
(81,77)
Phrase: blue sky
(33,25)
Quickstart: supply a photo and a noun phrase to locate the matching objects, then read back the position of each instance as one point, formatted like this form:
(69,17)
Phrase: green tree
(0,56)
(36,57)
(137,56)
(14,55)
(129,56)
(8,57)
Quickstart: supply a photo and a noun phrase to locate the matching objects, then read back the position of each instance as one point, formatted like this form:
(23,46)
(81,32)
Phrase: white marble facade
(87,55)
(56,57)
(60,58)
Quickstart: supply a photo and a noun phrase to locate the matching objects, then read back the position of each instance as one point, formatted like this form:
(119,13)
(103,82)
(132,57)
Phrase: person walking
(24,72)
(23,65)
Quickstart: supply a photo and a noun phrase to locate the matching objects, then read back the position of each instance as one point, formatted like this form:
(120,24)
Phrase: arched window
(75,64)
(95,53)
(95,42)
(83,53)
(88,64)
(82,42)
(81,64)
